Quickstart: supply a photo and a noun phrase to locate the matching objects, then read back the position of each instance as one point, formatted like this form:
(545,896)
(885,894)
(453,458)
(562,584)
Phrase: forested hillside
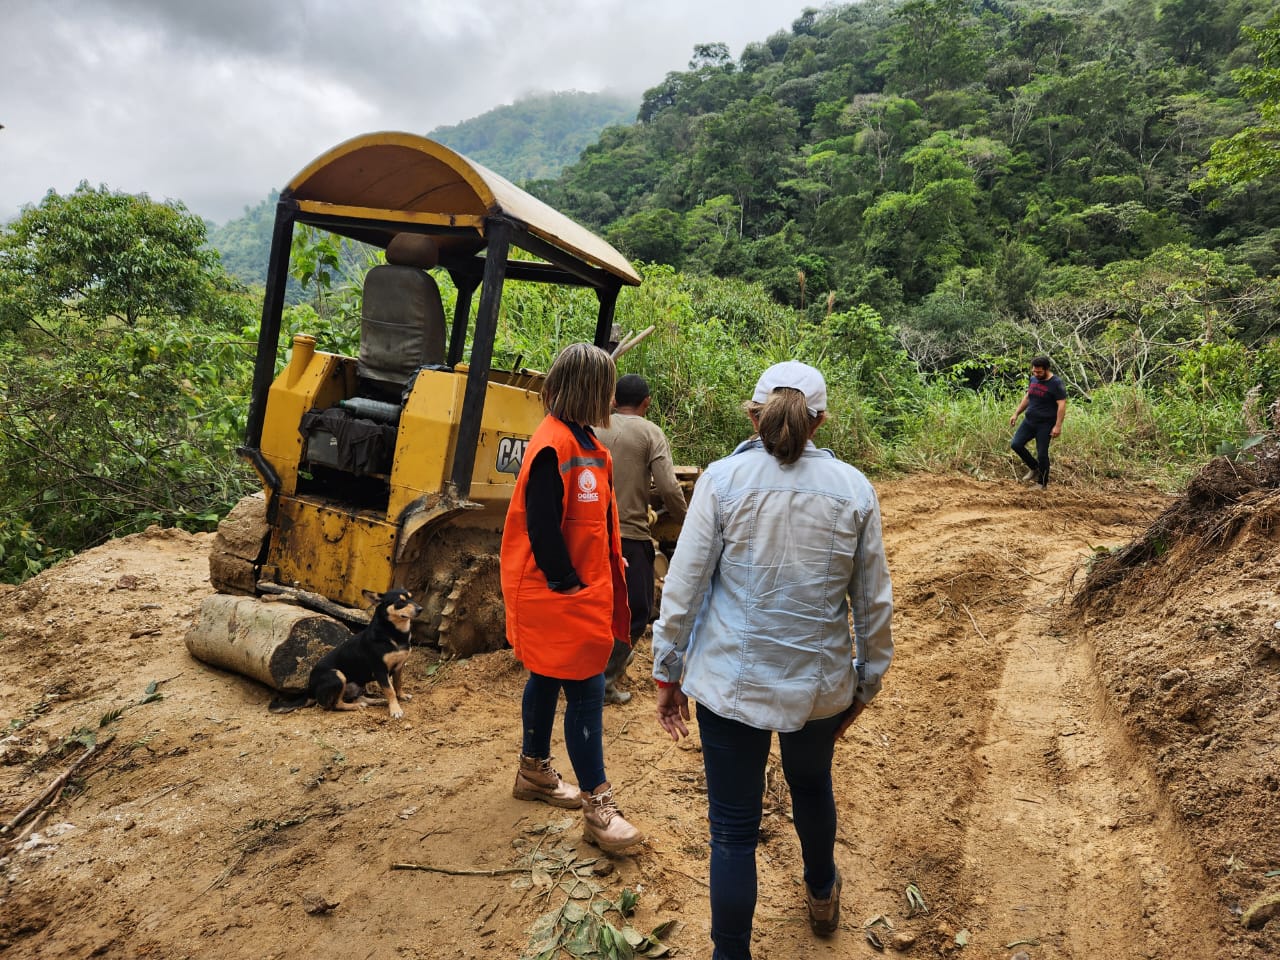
(952,163)
(245,243)
(537,136)
(918,196)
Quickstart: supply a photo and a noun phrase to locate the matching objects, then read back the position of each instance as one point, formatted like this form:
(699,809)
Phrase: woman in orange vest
(564,586)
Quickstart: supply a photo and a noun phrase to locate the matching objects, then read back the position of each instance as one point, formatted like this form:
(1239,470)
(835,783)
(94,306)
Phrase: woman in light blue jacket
(781,544)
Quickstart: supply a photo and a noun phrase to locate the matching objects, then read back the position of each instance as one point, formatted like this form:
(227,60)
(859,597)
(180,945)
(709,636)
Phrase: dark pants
(583,712)
(639,556)
(734,756)
(1040,431)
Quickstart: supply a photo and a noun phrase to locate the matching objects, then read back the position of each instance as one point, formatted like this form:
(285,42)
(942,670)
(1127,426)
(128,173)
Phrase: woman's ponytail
(784,424)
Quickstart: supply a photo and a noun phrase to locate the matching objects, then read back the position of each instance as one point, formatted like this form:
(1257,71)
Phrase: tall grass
(1121,432)
(712,338)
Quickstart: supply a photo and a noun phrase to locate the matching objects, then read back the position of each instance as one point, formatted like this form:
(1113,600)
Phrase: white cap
(797,376)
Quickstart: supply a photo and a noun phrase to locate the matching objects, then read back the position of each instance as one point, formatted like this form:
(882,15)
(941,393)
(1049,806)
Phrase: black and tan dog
(375,654)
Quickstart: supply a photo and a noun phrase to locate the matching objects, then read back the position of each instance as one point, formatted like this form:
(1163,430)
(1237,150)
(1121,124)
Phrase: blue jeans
(583,712)
(1040,431)
(734,755)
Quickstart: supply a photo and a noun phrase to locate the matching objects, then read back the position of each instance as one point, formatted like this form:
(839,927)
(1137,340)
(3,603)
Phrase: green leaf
(585,938)
(662,929)
(544,936)
(962,938)
(627,902)
(915,901)
(633,936)
(653,945)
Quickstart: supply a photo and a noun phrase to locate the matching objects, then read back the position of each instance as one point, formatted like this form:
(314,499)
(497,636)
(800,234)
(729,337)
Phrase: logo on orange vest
(587,492)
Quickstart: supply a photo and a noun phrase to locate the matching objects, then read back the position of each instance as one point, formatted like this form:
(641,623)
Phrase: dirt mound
(153,807)
(1186,624)
(1225,496)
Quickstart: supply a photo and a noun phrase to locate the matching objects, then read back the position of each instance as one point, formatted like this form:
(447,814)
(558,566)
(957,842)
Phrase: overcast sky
(215,102)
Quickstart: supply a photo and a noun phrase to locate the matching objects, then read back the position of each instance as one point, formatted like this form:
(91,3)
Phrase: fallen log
(273,643)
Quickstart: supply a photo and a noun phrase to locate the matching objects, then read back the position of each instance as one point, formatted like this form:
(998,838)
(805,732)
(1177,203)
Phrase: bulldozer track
(473,619)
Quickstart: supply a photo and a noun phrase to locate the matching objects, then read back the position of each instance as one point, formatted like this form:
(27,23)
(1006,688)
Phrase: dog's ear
(373,598)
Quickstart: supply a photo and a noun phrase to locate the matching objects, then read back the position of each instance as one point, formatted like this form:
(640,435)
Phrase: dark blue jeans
(584,707)
(1038,430)
(734,755)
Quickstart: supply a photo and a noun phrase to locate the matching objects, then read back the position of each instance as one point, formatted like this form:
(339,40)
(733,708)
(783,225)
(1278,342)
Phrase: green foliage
(1253,153)
(934,43)
(915,195)
(117,410)
(101,257)
(331,270)
(653,235)
(114,432)
(581,925)
(899,142)
(1118,432)
(872,380)
(244,244)
(697,368)
(538,135)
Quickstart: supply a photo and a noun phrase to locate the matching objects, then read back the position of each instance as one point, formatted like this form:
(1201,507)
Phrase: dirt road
(1019,771)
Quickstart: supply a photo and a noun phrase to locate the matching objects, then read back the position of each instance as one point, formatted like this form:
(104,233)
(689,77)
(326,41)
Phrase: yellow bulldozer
(395,467)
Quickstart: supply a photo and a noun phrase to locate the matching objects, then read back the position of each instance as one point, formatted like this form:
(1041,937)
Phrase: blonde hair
(579,386)
(783,423)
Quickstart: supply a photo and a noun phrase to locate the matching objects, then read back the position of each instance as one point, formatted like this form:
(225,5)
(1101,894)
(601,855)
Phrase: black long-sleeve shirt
(544,513)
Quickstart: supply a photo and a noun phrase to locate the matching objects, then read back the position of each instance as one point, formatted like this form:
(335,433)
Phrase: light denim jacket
(755,605)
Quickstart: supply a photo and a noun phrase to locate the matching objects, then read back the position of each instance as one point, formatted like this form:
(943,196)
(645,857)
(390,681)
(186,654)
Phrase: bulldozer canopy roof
(401,179)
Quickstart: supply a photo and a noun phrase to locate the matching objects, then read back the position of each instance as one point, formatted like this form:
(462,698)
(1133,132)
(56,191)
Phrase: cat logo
(510,454)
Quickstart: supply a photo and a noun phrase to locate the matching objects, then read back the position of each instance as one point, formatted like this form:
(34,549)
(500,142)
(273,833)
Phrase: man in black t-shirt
(1046,405)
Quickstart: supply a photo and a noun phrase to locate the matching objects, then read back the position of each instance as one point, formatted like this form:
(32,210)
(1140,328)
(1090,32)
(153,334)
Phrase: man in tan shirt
(641,456)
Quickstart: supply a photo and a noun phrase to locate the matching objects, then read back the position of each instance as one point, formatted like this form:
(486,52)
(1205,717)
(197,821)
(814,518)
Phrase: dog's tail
(288,704)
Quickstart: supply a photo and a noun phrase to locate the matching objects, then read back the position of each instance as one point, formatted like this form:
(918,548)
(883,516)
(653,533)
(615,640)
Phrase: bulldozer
(395,467)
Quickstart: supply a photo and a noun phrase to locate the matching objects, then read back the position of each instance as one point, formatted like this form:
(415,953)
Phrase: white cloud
(215,104)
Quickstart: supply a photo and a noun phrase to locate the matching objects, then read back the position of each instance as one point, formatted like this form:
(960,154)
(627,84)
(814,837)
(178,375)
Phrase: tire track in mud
(1040,830)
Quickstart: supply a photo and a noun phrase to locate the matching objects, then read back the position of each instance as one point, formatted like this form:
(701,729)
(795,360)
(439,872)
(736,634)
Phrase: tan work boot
(536,780)
(824,914)
(603,823)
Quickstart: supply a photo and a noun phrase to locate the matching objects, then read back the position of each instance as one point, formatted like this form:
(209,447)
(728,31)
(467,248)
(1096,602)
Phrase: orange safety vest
(555,634)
